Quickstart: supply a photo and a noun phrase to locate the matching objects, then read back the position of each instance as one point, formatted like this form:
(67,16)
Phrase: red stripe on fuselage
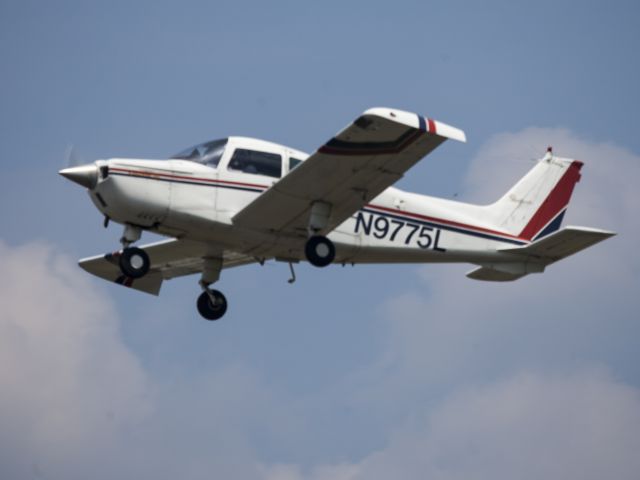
(557,200)
(145,173)
(443,221)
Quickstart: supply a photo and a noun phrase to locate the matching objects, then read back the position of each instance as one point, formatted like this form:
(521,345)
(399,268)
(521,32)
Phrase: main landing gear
(133,261)
(319,250)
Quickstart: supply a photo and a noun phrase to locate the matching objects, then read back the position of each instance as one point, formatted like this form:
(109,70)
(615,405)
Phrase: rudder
(535,206)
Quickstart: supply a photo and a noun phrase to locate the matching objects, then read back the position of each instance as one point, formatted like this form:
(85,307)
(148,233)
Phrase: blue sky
(351,372)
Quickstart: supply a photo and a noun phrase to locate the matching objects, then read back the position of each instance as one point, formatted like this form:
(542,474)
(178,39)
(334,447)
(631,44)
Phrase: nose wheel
(212,304)
(320,251)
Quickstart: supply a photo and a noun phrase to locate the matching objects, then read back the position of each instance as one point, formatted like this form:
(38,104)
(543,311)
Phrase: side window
(293,163)
(259,163)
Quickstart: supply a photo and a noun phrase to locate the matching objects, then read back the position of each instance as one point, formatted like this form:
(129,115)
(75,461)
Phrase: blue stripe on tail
(552,227)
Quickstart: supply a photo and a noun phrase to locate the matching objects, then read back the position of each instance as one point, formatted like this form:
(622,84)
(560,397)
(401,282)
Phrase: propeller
(77,171)
(71,157)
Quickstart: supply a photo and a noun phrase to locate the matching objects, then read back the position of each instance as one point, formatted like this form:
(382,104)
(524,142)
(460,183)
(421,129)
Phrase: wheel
(320,251)
(209,310)
(134,262)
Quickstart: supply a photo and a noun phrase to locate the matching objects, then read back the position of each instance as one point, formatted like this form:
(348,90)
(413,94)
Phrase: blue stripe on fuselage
(442,226)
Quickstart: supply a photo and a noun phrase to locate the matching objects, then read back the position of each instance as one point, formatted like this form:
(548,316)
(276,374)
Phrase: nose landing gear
(212,304)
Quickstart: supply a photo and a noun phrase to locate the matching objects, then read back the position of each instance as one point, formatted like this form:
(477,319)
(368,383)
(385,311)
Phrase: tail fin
(535,206)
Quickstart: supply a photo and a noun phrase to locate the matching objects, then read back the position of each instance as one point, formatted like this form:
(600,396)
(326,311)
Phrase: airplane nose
(85,175)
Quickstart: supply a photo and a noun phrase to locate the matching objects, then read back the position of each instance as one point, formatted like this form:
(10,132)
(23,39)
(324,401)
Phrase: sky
(403,371)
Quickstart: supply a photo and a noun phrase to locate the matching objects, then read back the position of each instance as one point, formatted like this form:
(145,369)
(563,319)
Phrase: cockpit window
(208,153)
(259,163)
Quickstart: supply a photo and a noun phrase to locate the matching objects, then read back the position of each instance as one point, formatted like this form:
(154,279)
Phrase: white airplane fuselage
(237,201)
(185,199)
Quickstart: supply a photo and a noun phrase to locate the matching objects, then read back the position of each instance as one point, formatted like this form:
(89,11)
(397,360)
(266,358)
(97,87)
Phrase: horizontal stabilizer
(504,272)
(533,258)
(561,244)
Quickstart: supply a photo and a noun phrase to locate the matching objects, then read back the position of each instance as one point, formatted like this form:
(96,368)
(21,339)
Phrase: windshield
(208,153)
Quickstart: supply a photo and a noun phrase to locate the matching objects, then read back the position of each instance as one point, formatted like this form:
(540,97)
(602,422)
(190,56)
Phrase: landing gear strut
(212,304)
(319,250)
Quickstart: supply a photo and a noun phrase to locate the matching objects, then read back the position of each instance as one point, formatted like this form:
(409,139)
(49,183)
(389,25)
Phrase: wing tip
(453,133)
(417,121)
(597,231)
(101,267)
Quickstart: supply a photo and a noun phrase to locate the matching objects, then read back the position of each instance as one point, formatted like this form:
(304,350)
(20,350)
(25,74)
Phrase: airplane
(238,201)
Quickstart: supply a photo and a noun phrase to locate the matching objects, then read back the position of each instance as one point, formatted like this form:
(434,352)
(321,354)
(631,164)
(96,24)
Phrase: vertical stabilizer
(535,206)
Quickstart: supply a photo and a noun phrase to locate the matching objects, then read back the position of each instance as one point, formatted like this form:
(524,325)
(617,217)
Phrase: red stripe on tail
(557,200)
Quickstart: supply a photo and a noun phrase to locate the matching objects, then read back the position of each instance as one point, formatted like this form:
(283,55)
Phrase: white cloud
(68,384)
(77,403)
(581,426)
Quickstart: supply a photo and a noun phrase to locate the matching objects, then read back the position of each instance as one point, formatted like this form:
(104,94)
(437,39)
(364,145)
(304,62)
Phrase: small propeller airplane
(239,200)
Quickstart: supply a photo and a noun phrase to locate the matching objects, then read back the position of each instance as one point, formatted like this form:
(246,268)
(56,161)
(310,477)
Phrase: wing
(348,171)
(169,259)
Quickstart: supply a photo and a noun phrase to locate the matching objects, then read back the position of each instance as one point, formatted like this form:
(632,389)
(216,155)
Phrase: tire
(134,262)
(320,251)
(210,311)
